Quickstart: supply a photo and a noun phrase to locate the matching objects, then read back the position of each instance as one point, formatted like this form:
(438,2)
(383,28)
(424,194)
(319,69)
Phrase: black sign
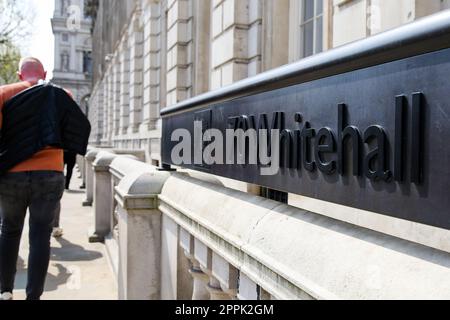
(375,138)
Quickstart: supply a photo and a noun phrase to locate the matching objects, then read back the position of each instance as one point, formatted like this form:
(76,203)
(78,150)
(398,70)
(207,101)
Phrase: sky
(41,44)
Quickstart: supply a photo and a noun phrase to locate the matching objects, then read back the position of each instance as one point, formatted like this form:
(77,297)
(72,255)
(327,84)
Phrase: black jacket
(42,116)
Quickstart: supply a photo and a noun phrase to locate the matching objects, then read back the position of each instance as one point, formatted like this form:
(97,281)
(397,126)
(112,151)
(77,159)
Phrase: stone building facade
(153,54)
(149,55)
(73,49)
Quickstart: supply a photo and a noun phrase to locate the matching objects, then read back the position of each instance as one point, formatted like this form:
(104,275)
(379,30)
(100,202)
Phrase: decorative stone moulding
(295,254)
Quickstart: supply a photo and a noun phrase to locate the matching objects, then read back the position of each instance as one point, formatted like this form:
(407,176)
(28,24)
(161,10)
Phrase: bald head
(31,70)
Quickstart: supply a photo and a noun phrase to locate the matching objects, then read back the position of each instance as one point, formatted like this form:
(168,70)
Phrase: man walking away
(37,122)
(70,159)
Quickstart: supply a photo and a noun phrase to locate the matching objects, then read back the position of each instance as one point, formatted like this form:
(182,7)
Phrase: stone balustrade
(183,235)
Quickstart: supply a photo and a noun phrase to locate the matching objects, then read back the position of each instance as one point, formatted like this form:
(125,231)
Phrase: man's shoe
(7,296)
(57,233)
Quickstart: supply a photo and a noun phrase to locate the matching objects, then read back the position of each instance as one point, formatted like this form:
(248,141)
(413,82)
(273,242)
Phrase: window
(65,37)
(87,62)
(311,27)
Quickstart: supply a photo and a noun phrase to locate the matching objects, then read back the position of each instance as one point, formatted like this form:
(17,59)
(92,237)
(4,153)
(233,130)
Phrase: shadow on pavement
(52,283)
(68,252)
(73,252)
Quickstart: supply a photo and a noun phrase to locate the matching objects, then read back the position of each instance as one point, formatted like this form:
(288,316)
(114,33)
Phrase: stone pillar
(179,51)
(215,290)
(124,94)
(275,33)
(204,257)
(227,276)
(248,290)
(140,235)
(90,157)
(199,278)
(116,96)
(96,114)
(236,41)
(202,43)
(110,105)
(103,197)
(152,65)
(136,51)
(106,110)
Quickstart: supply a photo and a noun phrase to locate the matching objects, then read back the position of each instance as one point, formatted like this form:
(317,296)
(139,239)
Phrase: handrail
(423,36)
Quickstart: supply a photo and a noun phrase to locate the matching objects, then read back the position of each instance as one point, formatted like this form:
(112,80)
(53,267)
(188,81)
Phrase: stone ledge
(139,189)
(294,254)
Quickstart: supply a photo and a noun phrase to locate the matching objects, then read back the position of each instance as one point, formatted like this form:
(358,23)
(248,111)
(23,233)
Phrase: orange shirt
(49,159)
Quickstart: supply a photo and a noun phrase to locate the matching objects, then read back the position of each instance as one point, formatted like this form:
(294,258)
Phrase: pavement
(78,269)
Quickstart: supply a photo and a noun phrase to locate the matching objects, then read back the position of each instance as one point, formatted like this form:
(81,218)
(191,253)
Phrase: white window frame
(296,24)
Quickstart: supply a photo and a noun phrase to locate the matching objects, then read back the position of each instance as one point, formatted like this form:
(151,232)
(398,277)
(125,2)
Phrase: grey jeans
(40,192)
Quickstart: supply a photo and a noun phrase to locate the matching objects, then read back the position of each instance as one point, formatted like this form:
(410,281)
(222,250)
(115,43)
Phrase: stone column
(237,31)
(110,105)
(227,276)
(215,290)
(140,235)
(124,94)
(179,52)
(103,197)
(106,110)
(202,44)
(90,157)
(96,114)
(275,33)
(116,96)
(199,278)
(204,257)
(152,65)
(248,290)
(136,64)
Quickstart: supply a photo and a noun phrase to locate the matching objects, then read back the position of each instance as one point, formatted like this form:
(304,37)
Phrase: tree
(15,27)
(15,21)
(9,62)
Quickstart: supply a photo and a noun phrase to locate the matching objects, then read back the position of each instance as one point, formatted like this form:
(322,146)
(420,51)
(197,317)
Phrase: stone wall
(151,54)
(112,17)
